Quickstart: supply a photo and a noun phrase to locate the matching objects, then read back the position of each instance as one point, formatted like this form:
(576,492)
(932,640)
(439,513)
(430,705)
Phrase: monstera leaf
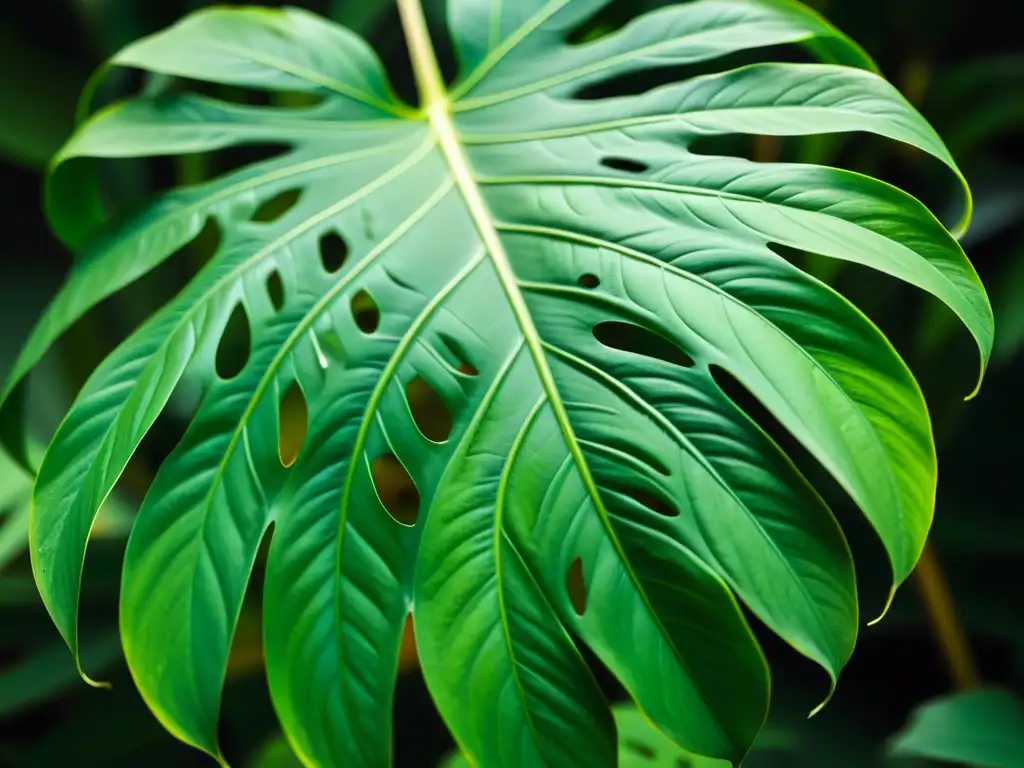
(522,300)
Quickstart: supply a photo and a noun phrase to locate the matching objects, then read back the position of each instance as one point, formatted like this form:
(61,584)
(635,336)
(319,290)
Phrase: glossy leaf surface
(477,374)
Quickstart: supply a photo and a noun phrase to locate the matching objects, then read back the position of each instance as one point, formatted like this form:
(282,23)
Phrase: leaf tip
(977,387)
(885,609)
(826,700)
(100,684)
(76,651)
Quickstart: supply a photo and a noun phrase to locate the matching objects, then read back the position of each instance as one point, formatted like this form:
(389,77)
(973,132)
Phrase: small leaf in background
(276,753)
(983,729)
(48,671)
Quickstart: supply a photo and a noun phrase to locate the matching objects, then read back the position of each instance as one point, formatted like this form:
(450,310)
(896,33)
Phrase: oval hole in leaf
(333,252)
(273,209)
(654,503)
(200,250)
(738,145)
(275,290)
(576,586)
(254,97)
(628,337)
(235,344)
(293,424)
(612,17)
(455,350)
(640,749)
(429,411)
(624,164)
(365,312)
(589,281)
(395,489)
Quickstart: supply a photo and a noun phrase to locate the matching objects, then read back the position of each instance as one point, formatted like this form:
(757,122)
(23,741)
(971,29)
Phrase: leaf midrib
(437,108)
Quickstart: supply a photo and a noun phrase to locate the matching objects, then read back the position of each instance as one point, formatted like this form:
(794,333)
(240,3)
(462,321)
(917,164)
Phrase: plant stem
(421,52)
(930,579)
(949,633)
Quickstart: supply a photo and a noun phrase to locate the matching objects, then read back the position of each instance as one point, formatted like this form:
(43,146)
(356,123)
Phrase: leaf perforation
(307,322)
(684,442)
(725,297)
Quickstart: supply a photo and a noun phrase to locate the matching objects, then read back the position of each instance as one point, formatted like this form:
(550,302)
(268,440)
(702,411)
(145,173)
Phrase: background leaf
(984,729)
(915,43)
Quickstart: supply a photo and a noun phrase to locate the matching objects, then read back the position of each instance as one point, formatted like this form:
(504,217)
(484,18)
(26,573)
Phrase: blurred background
(935,680)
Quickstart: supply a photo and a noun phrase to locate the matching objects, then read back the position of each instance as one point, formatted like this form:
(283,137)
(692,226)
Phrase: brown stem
(767,149)
(949,633)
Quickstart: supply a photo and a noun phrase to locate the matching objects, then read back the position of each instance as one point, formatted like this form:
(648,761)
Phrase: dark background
(960,61)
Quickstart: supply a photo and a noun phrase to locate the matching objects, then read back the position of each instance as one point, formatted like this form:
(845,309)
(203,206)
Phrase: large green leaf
(522,302)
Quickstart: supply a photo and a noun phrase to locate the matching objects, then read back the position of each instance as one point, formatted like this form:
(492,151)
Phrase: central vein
(437,110)
(436,107)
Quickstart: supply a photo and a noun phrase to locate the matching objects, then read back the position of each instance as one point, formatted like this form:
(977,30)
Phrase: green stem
(942,614)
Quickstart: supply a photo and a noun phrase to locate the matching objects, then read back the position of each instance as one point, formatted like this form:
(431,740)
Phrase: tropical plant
(513,324)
